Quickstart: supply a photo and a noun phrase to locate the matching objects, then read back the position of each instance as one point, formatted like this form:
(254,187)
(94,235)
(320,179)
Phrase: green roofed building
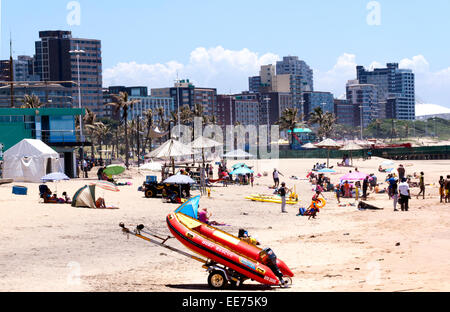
(54,126)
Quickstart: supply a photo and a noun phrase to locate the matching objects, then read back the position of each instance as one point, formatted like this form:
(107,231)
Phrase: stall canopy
(30,160)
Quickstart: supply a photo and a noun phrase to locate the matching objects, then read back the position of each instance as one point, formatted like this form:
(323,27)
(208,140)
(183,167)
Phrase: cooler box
(151,179)
(19,190)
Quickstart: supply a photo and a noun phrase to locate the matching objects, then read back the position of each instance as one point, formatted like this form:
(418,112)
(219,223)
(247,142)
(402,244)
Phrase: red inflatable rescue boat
(238,257)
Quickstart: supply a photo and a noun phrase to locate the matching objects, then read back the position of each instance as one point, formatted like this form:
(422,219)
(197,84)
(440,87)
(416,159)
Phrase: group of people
(444,189)
(318,167)
(400,193)
(52,198)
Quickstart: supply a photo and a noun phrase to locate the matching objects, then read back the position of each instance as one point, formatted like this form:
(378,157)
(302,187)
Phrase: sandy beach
(47,247)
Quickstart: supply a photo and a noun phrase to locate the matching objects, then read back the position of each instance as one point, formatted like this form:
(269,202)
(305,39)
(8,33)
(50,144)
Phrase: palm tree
(122,103)
(316,117)
(89,121)
(31,101)
(378,125)
(325,121)
(149,119)
(186,115)
(288,121)
(328,125)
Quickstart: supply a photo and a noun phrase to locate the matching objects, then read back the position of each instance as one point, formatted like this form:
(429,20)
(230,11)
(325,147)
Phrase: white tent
(30,160)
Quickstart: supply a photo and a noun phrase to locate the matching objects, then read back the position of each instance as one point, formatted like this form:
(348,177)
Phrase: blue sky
(141,34)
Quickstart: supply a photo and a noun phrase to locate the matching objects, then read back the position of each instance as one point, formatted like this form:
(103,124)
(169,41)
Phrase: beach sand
(47,247)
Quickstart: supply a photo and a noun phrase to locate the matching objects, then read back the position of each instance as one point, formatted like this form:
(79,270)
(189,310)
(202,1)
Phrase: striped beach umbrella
(105,185)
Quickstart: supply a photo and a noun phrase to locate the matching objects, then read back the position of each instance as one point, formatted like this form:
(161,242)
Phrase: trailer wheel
(217,280)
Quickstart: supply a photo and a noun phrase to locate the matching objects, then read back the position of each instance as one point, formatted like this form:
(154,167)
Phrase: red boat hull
(220,254)
(240,246)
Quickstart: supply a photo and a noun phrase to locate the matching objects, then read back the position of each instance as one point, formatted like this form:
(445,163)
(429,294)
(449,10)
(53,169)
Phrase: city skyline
(226,60)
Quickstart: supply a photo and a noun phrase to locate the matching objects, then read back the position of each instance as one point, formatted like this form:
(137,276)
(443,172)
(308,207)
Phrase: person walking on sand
(421,185)
(442,189)
(394,193)
(405,195)
(365,187)
(447,189)
(276,178)
(283,192)
(401,172)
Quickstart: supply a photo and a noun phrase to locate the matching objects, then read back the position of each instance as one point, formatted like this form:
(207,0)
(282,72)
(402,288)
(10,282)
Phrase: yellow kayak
(270,199)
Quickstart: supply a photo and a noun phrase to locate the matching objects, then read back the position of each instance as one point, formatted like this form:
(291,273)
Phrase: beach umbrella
(171,149)
(328,144)
(152,166)
(352,147)
(201,143)
(107,186)
(239,166)
(326,170)
(354,176)
(179,179)
(242,171)
(238,154)
(55,177)
(309,146)
(113,170)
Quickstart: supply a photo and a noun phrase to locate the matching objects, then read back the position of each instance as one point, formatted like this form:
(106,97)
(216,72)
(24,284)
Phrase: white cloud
(214,67)
(418,64)
(336,78)
(431,87)
(228,70)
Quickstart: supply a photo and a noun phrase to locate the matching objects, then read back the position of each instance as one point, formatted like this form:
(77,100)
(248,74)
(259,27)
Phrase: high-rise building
(244,109)
(300,80)
(186,93)
(396,88)
(311,100)
(50,96)
(364,97)
(272,106)
(23,69)
(346,113)
(55,61)
(254,84)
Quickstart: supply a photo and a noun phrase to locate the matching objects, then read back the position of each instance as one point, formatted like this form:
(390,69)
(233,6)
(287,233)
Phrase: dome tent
(30,160)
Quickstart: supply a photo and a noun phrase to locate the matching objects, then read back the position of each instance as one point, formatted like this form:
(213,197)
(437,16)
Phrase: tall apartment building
(272,106)
(346,113)
(254,84)
(23,69)
(396,88)
(109,111)
(244,109)
(293,66)
(55,62)
(311,100)
(364,98)
(290,75)
(186,93)
(301,78)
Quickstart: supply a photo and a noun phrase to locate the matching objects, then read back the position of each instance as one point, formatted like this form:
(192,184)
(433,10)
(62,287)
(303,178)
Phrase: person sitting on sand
(67,199)
(100,203)
(204,216)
